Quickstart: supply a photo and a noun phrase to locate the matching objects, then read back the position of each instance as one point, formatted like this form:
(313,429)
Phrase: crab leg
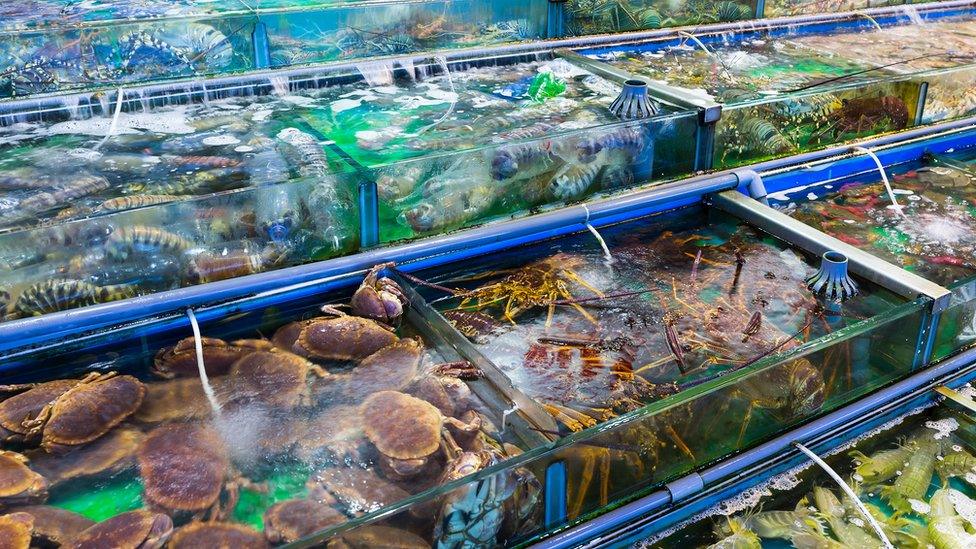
(679,442)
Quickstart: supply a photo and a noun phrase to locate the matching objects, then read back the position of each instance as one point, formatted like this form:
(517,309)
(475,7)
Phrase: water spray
(204,380)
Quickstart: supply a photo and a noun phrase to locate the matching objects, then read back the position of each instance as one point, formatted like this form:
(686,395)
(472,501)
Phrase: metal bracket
(815,242)
(957,397)
(262,46)
(923,92)
(556,495)
(556,19)
(685,487)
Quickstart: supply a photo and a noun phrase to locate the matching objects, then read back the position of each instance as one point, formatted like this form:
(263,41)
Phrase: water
(934,447)
(933,236)
(616,337)
(276,442)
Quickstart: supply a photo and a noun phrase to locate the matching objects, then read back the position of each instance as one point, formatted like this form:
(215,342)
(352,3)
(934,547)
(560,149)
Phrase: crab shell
(344,338)
(89,410)
(108,455)
(141,529)
(183,467)
(180,360)
(176,399)
(369,537)
(18,484)
(389,369)
(18,409)
(54,526)
(358,490)
(286,337)
(287,521)
(16,530)
(450,395)
(401,426)
(216,534)
(274,378)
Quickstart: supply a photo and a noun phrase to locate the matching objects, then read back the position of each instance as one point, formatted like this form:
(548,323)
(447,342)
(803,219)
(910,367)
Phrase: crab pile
(346,397)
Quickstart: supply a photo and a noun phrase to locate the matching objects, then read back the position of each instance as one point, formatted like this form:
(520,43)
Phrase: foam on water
(173,122)
(964,505)
(942,427)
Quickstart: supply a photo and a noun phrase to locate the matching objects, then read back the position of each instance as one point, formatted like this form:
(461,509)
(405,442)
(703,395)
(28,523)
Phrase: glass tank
(913,477)
(930,233)
(316,422)
(100,201)
(588,17)
(456,145)
(789,90)
(58,45)
(305,419)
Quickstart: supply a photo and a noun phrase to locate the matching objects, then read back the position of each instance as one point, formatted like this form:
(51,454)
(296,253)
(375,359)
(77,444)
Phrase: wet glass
(933,236)
(912,475)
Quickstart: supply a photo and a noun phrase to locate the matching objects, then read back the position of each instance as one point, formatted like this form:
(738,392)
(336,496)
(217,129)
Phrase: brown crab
(286,337)
(18,484)
(406,430)
(108,455)
(138,529)
(276,379)
(185,469)
(180,399)
(293,519)
(216,534)
(87,411)
(357,490)
(390,368)
(27,404)
(379,298)
(342,337)
(54,527)
(449,394)
(180,360)
(16,530)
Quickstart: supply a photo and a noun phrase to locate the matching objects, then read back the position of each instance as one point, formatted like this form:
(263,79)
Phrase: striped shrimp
(915,478)
(739,536)
(125,241)
(782,524)
(880,466)
(832,510)
(574,179)
(61,294)
(947,530)
(195,161)
(137,201)
(956,464)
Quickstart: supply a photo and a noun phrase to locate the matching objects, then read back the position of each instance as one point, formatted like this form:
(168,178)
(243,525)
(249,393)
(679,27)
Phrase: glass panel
(629,456)
(587,17)
(751,132)
(790,90)
(935,238)
(132,197)
(591,340)
(376,417)
(950,95)
(181,243)
(461,145)
(913,475)
(106,55)
(779,8)
(397,28)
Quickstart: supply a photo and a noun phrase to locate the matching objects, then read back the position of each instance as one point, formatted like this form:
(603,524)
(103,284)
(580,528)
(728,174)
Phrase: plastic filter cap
(633,101)
(832,282)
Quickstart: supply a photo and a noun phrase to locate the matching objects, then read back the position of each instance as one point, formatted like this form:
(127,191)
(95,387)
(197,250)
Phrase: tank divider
(799,234)
(531,422)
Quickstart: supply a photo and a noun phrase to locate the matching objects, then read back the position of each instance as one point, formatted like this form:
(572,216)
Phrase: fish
(61,294)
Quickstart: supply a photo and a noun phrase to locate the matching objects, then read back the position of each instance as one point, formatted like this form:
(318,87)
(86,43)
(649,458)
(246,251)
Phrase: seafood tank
(57,45)
(142,194)
(930,232)
(914,477)
(493,138)
(344,412)
(697,340)
(786,91)
(587,17)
